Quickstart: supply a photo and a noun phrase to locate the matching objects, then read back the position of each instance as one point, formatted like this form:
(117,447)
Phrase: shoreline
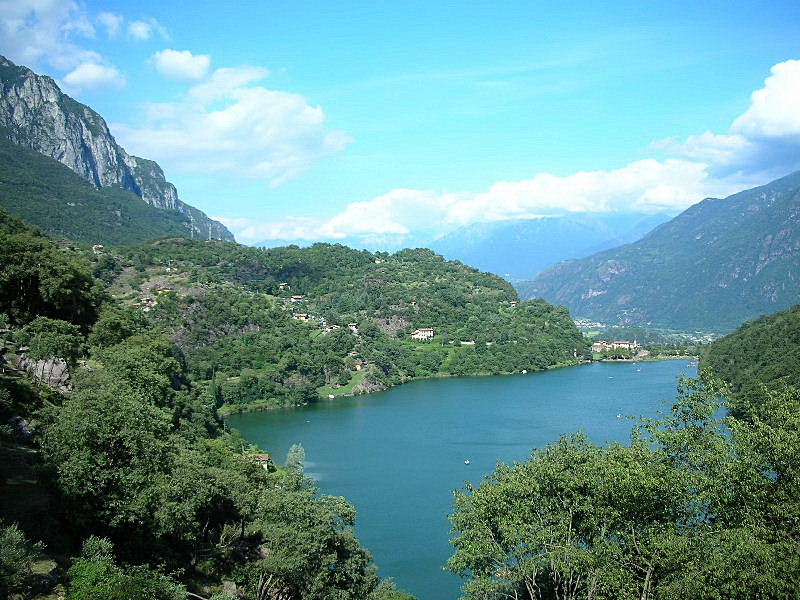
(251,408)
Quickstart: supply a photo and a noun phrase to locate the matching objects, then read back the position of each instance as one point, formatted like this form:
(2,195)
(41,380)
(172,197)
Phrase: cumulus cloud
(56,33)
(646,185)
(36,31)
(111,22)
(92,76)
(181,64)
(227,124)
(762,143)
(145,29)
(774,109)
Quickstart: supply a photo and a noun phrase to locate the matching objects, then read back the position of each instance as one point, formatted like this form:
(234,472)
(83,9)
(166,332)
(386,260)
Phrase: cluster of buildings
(603,345)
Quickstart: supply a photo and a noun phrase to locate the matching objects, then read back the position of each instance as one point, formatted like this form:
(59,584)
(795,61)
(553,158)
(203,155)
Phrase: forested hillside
(716,265)
(760,356)
(116,365)
(47,194)
(281,326)
(121,481)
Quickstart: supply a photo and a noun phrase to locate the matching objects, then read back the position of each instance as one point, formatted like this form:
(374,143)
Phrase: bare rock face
(36,114)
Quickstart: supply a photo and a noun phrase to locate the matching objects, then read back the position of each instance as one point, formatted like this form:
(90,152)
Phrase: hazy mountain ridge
(520,249)
(719,263)
(36,114)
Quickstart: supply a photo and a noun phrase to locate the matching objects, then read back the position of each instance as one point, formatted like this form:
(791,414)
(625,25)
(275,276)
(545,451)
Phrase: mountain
(519,249)
(759,358)
(49,195)
(719,263)
(35,114)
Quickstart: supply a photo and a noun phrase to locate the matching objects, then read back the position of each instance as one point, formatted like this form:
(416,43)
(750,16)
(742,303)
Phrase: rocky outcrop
(36,114)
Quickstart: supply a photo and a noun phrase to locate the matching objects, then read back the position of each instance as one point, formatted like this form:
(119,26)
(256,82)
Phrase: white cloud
(55,33)
(181,64)
(646,185)
(223,82)
(111,22)
(226,124)
(32,31)
(774,109)
(762,143)
(92,76)
(145,29)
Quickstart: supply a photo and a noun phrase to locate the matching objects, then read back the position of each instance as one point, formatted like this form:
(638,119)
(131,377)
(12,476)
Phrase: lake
(397,455)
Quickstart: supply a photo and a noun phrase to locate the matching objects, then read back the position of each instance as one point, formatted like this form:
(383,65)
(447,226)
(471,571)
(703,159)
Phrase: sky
(381,123)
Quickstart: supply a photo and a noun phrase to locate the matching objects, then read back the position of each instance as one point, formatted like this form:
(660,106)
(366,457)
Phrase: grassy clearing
(327,390)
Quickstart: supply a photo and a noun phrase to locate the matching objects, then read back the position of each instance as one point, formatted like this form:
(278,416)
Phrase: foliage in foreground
(696,507)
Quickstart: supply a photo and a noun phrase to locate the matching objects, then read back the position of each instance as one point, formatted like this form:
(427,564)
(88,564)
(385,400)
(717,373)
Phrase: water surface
(397,455)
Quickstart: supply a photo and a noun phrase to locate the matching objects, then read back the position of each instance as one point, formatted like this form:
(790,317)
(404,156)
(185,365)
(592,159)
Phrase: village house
(514,303)
(97,248)
(424,333)
(301,316)
(625,345)
(283,286)
(353,327)
(603,345)
(262,459)
(297,298)
(146,303)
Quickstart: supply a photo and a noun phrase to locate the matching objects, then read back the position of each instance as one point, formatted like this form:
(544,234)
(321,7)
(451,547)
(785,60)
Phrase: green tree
(17,555)
(295,458)
(95,574)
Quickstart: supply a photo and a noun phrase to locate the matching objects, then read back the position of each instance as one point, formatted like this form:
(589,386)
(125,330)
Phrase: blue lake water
(398,455)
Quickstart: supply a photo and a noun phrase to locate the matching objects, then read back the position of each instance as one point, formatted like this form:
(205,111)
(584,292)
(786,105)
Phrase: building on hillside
(353,327)
(146,303)
(97,248)
(301,316)
(263,459)
(424,333)
(514,303)
(284,286)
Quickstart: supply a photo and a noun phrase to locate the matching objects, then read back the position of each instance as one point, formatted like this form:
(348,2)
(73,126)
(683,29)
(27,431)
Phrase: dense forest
(123,482)
(760,357)
(699,505)
(276,327)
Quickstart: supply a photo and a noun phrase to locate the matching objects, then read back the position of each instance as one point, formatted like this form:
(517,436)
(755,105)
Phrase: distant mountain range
(519,249)
(719,263)
(35,114)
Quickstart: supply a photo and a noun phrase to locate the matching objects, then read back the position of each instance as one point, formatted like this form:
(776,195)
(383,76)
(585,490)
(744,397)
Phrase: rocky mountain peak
(36,114)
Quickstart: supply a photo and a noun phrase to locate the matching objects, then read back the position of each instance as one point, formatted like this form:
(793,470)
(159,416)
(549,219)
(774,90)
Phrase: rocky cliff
(38,115)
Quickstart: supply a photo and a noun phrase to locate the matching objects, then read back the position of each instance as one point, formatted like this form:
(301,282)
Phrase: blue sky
(383,122)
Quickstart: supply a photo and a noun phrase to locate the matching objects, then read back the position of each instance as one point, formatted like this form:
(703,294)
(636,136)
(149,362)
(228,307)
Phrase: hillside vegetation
(716,265)
(759,357)
(230,309)
(124,482)
(47,194)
